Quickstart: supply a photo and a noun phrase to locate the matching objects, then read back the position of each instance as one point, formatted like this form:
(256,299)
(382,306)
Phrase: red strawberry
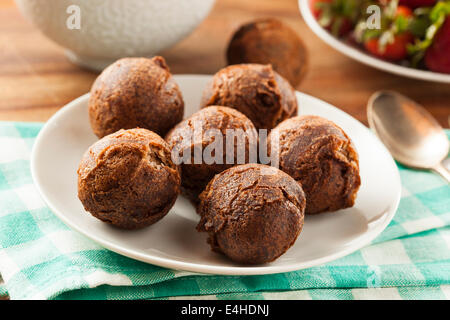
(437,56)
(418,3)
(404,11)
(395,51)
(314,5)
(339,23)
(345,26)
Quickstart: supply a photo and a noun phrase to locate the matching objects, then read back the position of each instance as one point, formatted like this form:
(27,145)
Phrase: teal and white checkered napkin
(41,258)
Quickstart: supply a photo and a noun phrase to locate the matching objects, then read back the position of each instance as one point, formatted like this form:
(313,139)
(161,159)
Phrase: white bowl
(112,29)
(364,57)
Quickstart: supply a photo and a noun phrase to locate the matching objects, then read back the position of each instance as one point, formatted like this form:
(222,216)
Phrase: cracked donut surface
(135,92)
(256,90)
(253,213)
(198,132)
(128,179)
(321,157)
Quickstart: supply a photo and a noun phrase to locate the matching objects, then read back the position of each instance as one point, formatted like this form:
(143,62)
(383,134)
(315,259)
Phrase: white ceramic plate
(364,57)
(173,242)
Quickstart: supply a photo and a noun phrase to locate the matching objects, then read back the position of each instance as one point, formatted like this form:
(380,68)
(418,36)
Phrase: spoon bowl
(411,134)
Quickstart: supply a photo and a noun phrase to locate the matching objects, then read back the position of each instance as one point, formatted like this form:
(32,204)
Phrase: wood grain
(36,79)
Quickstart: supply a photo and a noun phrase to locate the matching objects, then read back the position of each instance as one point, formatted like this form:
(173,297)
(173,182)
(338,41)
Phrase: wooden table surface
(36,79)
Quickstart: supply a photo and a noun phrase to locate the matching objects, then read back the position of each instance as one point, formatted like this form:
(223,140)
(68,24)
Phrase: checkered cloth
(41,258)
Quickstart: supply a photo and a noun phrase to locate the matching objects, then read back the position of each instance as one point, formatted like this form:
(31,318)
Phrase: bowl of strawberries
(410,38)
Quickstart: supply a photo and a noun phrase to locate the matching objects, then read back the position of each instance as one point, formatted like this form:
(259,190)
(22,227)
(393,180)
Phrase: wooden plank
(36,79)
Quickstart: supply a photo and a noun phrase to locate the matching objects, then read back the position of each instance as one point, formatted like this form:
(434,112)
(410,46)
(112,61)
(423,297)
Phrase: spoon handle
(443,171)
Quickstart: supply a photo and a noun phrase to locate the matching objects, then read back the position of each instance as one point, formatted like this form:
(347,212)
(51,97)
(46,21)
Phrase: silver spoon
(411,134)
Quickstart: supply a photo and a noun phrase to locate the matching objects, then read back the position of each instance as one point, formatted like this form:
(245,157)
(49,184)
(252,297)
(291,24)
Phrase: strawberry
(437,57)
(315,5)
(404,11)
(417,3)
(337,16)
(391,43)
(394,51)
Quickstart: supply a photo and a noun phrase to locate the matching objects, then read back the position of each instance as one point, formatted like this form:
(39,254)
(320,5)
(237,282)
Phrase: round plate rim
(201,268)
